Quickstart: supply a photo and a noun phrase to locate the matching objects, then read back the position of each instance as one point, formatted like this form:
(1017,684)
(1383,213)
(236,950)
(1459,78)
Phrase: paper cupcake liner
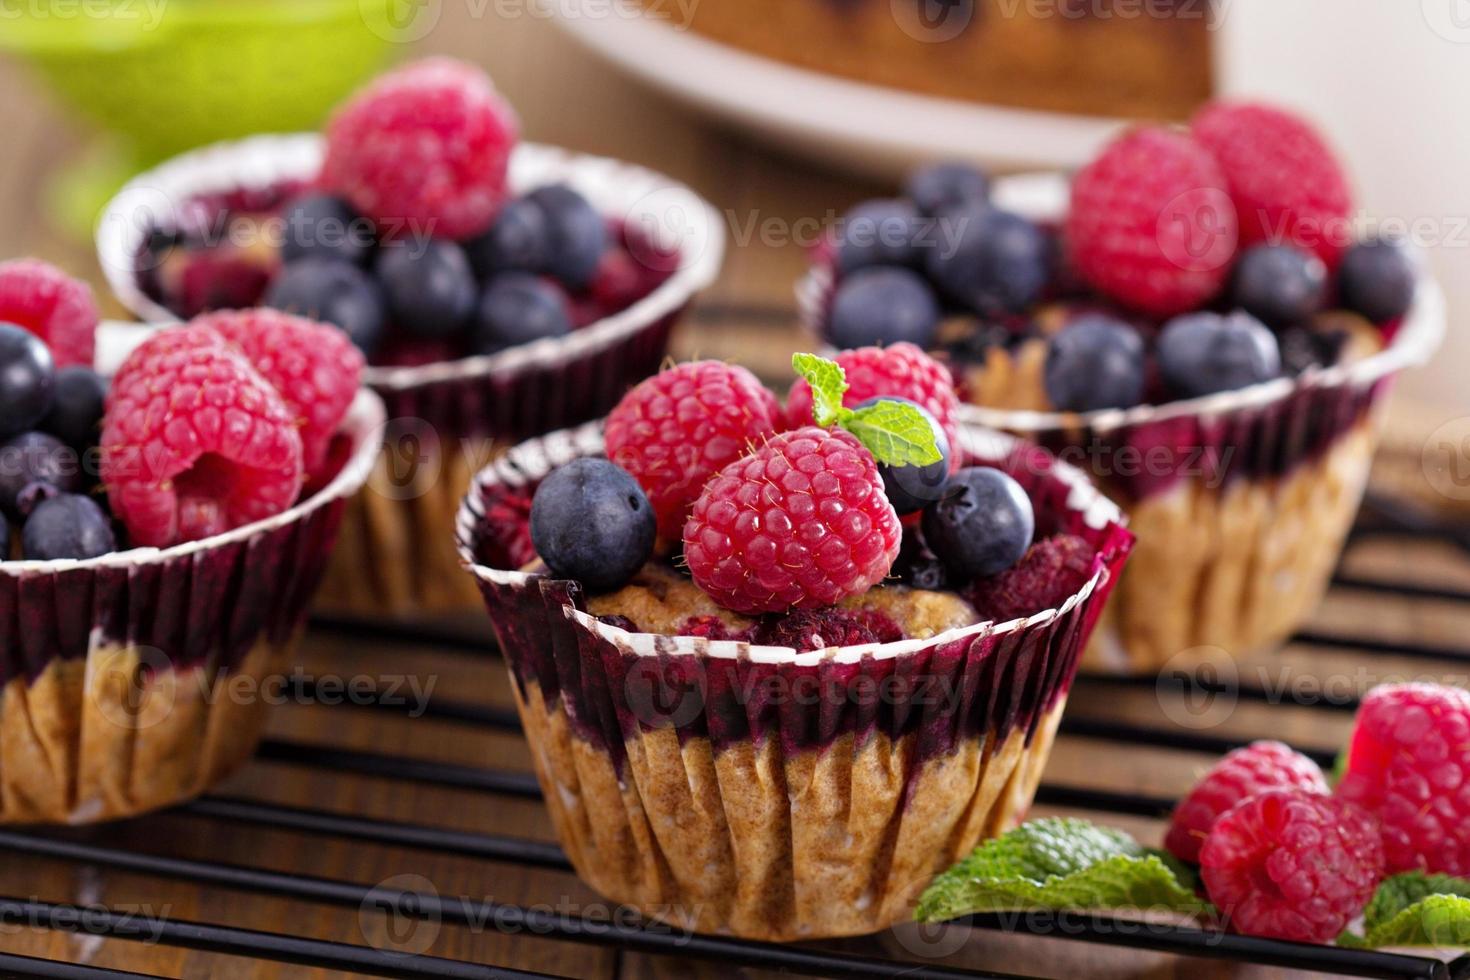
(767,792)
(132,681)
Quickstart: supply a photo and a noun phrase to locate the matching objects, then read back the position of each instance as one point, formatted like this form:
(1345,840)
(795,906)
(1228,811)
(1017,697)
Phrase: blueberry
(27,379)
(578,234)
(517,308)
(917,567)
(883,305)
(880,232)
(518,241)
(976,343)
(36,458)
(1377,279)
(323,226)
(76,411)
(912,488)
(333,292)
(1280,285)
(67,525)
(981,526)
(591,522)
(942,186)
(989,261)
(1303,348)
(1094,362)
(1205,353)
(429,286)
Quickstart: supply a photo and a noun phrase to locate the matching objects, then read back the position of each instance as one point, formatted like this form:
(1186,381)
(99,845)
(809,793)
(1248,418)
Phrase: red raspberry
(799,523)
(1151,223)
(1045,577)
(682,426)
(817,629)
(1409,762)
(1292,864)
(316,369)
(902,370)
(1239,776)
(423,150)
(194,441)
(53,306)
(1286,183)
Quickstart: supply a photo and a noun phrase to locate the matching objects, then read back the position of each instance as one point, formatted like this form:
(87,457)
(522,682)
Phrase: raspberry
(1151,223)
(902,370)
(423,150)
(1292,864)
(682,426)
(801,522)
(817,629)
(1050,572)
(314,366)
(195,442)
(53,306)
(1239,776)
(1287,185)
(1409,762)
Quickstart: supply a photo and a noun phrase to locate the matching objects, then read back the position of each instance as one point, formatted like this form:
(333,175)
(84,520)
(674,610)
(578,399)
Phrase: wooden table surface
(567,99)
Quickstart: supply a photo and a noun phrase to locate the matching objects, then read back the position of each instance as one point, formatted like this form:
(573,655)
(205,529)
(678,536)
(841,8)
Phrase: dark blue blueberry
(916,566)
(1205,353)
(27,379)
(323,226)
(517,308)
(1094,362)
(1304,348)
(884,305)
(880,232)
(76,411)
(67,525)
(989,261)
(36,458)
(578,234)
(983,336)
(911,488)
(1280,285)
(1377,279)
(982,525)
(333,292)
(429,286)
(590,521)
(942,186)
(519,241)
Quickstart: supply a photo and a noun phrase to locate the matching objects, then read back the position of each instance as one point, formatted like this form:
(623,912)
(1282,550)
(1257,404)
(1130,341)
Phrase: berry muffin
(161,535)
(1199,326)
(778,672)
(497,289)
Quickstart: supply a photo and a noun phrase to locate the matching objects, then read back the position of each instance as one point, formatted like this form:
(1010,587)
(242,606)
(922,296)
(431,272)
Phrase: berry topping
(32,459)
(424,148)
(429,286)
(916,566)
(1151,224)
(883,305)
(333,292)
(76,409)
(1280,285)
(942,186)
(517,308)
(1286,184)
(591,522)
(53,306)
(881,232)
(818,629)
(981,526)
(323,226)
(577,234)
(999,262)
(1377,280)
(1407,762)
(1239,776)
(1205,353)
(195,441)
(1292,864)
(678,428)
(27,379)
(902,370)
(1093,363)
(67,525)
(518,241)
(912,488)
(1053,570)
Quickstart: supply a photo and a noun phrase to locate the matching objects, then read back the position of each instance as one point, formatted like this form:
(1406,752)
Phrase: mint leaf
(828,385)
(1059,864)
(895,433)
(1400,891)
(1416,909)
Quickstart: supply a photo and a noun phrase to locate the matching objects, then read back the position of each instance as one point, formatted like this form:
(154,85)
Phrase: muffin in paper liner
(448,419)
(137,680)
(764,792)
(1241,501)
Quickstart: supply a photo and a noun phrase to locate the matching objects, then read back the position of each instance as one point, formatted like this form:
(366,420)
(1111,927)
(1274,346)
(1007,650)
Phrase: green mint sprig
(897,434)
(1415,909)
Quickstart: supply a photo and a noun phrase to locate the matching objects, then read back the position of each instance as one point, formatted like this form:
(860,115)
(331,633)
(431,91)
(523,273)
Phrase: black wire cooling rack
(535,924)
